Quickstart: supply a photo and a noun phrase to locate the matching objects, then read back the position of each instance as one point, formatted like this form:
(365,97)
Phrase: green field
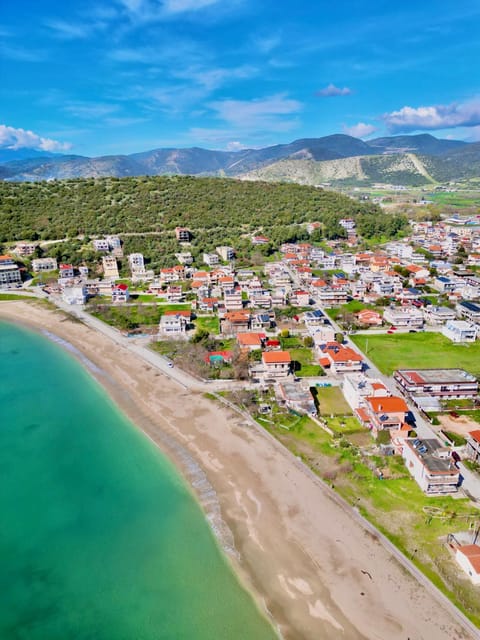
(354,306)
(419,350)
(331,401)
(208,323)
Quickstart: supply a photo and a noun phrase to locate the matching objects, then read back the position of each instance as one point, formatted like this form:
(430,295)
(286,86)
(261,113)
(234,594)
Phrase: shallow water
(99,537)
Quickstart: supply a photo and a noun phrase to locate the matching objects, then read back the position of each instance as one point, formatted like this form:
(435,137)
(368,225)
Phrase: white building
(357,387)
(211,259)
(173,323)
(9,272)
(468,557)
(110,267)
(431,466)
(226,253)
(44,264)
(460,331)
(101,244)
(438,315)
(403,317)
(136,262)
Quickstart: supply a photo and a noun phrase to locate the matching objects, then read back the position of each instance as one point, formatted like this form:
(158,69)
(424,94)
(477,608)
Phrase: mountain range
(335,159)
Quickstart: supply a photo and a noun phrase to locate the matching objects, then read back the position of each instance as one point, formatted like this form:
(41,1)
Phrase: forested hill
(218,207)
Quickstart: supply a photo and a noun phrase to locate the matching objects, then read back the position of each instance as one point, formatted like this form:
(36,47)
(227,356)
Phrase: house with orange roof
(339,358)
(235,322)
(276,364)
(369,318)
(385,413)
(250,341)
(472,449)
(468,557)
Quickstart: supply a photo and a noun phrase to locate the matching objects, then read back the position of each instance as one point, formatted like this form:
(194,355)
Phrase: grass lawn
(143,297)
(418,350)
(304,365)
(354,306)
(209,323)
(332,402)
(13,296)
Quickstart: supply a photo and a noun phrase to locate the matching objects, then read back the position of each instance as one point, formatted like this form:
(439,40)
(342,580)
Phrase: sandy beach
(307,559)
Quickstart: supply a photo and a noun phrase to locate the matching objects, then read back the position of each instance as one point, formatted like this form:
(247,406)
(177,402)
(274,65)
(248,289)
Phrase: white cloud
(89,110)
(331,91)
(235,145)
(11,138)
(466,114)
(212,79)
(271,113)
(360,130)
(179,6)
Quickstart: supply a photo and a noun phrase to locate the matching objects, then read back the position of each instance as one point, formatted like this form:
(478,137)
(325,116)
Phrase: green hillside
(212,206)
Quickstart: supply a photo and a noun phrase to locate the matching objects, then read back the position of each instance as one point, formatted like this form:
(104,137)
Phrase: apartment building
(431,466)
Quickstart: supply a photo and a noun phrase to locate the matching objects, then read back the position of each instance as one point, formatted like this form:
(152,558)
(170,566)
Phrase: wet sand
(307,559)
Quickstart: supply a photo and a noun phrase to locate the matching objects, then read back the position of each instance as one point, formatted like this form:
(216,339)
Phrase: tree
(308,342)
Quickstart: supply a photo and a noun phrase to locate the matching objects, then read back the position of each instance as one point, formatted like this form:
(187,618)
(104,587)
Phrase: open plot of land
(208,323)
(418,350)
(354,306)
(461,425)
(332,402)
(416,524)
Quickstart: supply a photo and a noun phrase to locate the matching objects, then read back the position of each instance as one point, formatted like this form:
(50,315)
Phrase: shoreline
(300,553)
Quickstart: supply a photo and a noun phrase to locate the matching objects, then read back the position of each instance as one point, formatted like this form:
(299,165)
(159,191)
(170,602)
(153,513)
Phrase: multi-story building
(182,234)
(76,294)
(136,262)
(276,364)
(472,449)
(44,264)
(110,267)
(357,387)
(24,249)
(120,293)
(438,315)
(469,311)
(440,383)
(460,331)
(211,259)
(431,465)
(232,299)
(404,317)
(185,257)
(174,322)
(339,358)
(101,244)
(66,271)
(9,272)
(226,253)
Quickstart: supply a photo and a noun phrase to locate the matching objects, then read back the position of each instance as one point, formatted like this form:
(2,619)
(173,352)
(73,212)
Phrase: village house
(44,264)
(339,358)
(404,317)
(211,259)
(356,387)
(469,311)
(101,244)
(276,364)
(232,299)
(182,234)
(438,315)
(296,398)
(226,253)
(234,322)
(251,341)
(175,294)
(439,383)
(120,293)
(185,257)
(369,318)
(468,557)
(24,249)
(383,412)
(300,298)
(431,465)
(174,323)
(460,331)
(472,449)
(110,268)
(65,272)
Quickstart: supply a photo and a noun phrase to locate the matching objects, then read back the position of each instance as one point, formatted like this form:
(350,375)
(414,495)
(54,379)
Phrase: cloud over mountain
(447,116)
(11,138)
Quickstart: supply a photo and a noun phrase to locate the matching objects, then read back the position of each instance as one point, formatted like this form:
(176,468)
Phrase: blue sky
(120,76)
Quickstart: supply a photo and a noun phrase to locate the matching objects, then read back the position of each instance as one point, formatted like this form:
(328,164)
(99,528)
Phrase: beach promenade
(316,567)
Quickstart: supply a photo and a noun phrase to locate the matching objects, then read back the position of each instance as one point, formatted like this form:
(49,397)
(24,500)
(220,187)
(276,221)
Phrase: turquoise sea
(99,537)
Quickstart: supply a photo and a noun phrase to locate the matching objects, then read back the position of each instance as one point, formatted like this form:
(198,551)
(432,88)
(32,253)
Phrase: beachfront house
(431,465)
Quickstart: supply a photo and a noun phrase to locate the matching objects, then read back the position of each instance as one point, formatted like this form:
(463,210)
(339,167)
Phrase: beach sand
(306,558)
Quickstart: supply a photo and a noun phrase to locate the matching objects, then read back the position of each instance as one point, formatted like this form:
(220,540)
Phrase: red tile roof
(475,435)
(392,404)
(276,357)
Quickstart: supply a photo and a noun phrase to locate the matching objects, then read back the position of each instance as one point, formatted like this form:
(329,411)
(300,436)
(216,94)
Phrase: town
(377,349)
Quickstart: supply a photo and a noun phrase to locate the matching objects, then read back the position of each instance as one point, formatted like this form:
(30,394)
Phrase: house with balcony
(431,466)
(460,331)
(182,234)
(383,412)
(276,364)
(120,293)
(438,383)
(110,268)
(340,359)
(174,323)
(468,310)
(438,315)
(404,317)
(40,265)
(211,259)
(357,387)
(235,322)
